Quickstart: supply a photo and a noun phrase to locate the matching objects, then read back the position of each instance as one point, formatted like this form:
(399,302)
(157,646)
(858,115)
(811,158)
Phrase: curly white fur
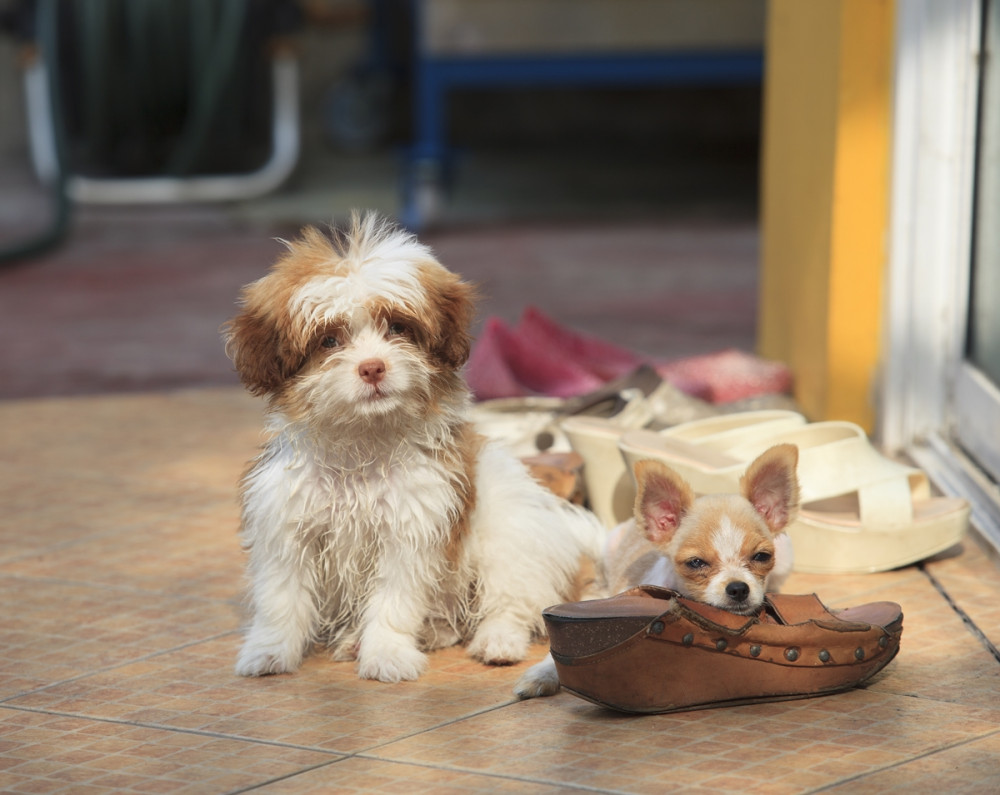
(376,521)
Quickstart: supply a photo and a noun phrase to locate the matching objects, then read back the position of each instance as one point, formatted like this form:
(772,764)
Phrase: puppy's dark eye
(330,342)
(396,329)
(762,557)
(695,563)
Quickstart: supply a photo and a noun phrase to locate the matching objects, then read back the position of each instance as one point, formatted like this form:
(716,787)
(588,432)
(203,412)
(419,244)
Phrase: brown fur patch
(450,313)
(587,583)
(266,345)
(461,460)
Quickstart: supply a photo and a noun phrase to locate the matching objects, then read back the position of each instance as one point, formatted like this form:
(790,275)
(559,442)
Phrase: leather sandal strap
(792,609)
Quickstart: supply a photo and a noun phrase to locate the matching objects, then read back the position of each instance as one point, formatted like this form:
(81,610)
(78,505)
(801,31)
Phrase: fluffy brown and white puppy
(376,519)
(727,550)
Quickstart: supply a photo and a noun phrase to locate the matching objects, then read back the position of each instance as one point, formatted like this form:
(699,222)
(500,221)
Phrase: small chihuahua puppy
(722,549)
(726,550)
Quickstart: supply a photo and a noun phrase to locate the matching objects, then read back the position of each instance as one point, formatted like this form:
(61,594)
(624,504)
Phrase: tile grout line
(129,589)
(472,771)
(366,754)
(98,535)
(288,776)
(175,729)
(370,755)
(337,756)
(895,765)
(363,753)
(448,768)
(4,701)
(436,726)
(966,618)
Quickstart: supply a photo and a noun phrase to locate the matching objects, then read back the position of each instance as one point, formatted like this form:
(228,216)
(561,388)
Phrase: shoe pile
(706,417)
(861,511)
(540,357)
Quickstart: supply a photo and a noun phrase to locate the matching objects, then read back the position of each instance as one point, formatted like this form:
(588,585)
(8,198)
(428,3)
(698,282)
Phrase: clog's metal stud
(688,639)
(791,655)
(755,651)
(657,627)
(883,642)
(720,644)
(824,655)
(859,653)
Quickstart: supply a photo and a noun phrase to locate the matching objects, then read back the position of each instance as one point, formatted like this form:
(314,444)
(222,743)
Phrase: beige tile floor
(120,575)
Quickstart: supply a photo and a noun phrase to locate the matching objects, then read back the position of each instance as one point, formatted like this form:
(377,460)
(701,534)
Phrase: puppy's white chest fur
(376,520)
(406,492)
(362,496)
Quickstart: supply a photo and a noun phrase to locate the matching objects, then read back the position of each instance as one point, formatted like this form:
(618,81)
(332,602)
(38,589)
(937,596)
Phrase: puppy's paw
(539,680)
(262,660)
(395,662)
(499,643)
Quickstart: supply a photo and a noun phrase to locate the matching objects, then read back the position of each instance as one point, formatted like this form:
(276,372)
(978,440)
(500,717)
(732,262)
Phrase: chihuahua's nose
(372,370)
(738,591)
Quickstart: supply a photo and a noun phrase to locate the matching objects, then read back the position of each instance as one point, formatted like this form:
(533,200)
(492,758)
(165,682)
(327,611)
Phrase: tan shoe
(650,650)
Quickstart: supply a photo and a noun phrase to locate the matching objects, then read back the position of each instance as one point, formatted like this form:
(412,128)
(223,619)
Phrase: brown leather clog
(651,650)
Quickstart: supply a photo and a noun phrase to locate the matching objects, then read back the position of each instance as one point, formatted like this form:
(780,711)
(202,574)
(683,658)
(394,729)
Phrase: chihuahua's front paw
(539,680)
(500,642)
(391,660)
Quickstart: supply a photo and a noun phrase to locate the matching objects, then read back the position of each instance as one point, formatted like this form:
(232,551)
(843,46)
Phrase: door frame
(930,248)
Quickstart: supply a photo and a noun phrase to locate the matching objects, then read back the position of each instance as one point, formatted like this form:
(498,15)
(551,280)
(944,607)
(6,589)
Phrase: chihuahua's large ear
(662,499)
(772,487)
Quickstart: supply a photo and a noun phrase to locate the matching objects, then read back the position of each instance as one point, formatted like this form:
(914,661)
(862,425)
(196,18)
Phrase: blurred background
(596,160)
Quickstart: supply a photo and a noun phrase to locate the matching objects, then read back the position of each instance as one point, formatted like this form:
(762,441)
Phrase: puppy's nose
(738,591)
(372,370)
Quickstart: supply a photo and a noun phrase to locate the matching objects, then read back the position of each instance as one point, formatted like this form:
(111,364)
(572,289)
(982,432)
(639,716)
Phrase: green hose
(58,226)
(153,71)
(213,62)
(142,65)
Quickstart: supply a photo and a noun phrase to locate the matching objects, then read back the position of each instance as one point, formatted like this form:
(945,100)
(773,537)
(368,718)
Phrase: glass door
(939,399)
(977,394)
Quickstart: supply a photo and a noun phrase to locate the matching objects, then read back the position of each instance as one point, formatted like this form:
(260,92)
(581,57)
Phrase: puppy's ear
(260,349)
(452,303)
(772,487)
(662,499)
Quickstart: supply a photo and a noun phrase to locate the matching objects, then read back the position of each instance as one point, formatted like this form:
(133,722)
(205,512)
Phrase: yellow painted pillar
(825,166)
